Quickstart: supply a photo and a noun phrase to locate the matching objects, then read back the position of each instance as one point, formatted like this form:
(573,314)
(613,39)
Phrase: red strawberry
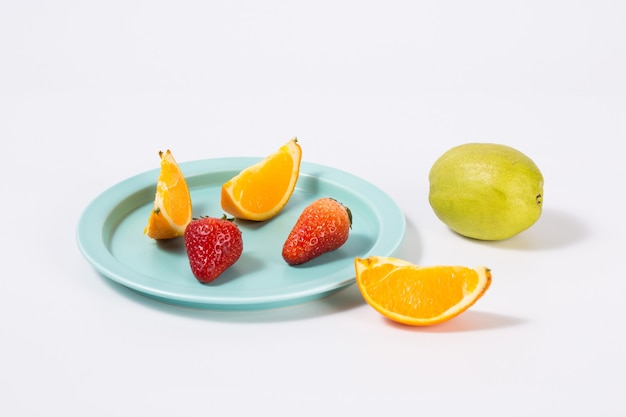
(323,226)
(213,245)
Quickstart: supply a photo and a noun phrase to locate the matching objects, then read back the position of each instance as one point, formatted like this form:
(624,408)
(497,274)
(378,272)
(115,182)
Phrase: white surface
(91,91)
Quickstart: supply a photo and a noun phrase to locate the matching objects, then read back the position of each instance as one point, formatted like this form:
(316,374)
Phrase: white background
(91,91)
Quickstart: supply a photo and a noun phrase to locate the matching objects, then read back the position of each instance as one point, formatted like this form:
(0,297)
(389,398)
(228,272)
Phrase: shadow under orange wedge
(172,211)
(416,295)
(262,190)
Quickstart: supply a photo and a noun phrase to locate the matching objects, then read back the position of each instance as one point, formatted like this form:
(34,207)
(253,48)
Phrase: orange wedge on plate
(171,212)
(416,295)
(262,190)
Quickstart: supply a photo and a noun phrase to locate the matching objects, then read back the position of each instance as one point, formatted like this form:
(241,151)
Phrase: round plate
(110,236)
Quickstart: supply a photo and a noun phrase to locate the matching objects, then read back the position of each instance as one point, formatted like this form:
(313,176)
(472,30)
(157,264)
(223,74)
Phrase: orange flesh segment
(175,194)
(423,292)
(172,209)
(416,295)
(260,191)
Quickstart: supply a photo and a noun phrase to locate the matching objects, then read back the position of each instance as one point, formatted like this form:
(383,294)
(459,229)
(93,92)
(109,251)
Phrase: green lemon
(486,191)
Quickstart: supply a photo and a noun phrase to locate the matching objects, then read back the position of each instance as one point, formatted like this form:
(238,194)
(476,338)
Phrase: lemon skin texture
(486,191)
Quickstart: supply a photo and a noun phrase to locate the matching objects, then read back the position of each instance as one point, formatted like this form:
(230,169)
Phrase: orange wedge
(171,212)
(260,191)
(417,295)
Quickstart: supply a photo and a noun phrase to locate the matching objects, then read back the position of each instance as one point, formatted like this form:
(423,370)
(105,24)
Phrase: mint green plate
(110,236)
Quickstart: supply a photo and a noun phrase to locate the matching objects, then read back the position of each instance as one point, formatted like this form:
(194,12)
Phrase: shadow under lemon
(555,229)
